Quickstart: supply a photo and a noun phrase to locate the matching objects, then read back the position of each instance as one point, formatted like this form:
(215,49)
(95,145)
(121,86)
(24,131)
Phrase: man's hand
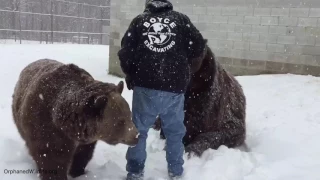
(129,83)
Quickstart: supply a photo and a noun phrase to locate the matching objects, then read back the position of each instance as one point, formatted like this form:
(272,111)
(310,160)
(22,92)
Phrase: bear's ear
(120,87)
(100,101)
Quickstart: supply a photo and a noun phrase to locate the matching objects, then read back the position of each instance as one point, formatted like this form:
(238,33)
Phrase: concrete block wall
(249,37)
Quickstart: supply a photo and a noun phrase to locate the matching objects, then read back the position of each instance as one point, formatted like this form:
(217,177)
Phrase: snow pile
(283,123)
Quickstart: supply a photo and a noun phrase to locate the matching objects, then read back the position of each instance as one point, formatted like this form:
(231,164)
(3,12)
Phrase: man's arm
(197,46)
(128,48)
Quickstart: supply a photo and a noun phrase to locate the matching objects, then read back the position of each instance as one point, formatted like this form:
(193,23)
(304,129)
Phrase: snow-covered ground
(283,122)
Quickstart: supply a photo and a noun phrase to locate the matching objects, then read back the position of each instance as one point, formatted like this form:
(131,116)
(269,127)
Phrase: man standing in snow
(159,52)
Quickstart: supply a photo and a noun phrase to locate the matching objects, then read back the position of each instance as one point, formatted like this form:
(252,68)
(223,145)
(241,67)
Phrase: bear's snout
(132,137)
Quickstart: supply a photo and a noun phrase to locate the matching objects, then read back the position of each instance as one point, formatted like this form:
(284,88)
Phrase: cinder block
(222,52)
(296,31)
(316,61)
(234,36)
(215,35)
(277,30)
(199,10)
(115,35)
(312,31)
(274,66)
(260,29)
(318,41)
(252,20)
(306,40)
(243,28)
(117,42)
(311,70)
(216,11)
(227,27)
(130,16)
(250,37)
(236,20)
(257,64)
(225,60)
(131,2)
(245,11)
(213,27)
(237,54)
(286,40)
(258,47)
(125,8)
(240,62)
(194,18)
(257,57)
(314,12)
(241,45)
(219,19)
(115,22)
(269,21)
(279,57)
(229,11)
(267,38)
(292,68)
(213,43)
(299,12)
(293,49)
(288,21)
(201,26)
(294,59)
(309,60)
(275,48)
(262,12)
(225,44)
(280,12)
(311,50)
(136,9)
(311,22)
(186,9)
(205,18)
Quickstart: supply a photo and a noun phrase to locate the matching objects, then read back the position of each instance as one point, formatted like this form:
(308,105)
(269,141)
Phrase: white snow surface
(283,125)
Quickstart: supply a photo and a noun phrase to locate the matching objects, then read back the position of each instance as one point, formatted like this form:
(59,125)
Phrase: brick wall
(249,37)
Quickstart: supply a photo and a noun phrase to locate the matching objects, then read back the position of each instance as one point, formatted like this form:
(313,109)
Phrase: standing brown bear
(215,109)
(61,111)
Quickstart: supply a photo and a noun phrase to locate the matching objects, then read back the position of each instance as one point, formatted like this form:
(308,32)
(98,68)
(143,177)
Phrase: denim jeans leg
(144,116)
(174,130)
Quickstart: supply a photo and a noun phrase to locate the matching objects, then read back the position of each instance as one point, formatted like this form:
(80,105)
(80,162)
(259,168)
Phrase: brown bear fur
(61,111)
(215,109)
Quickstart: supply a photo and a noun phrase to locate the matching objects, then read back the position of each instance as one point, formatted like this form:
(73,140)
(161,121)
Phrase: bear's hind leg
(231,134)
(81,159)
(203,142)
(52,164)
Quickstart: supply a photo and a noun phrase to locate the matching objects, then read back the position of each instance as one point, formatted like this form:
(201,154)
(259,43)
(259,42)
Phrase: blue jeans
(146,106)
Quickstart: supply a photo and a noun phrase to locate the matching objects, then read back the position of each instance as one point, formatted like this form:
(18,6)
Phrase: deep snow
(283,122)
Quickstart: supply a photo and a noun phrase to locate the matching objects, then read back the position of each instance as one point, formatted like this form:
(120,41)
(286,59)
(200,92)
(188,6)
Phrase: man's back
(158,47)
(157,54)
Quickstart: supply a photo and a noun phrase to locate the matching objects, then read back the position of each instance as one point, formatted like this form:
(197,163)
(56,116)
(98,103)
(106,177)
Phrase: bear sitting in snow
(215,109)
(61,111)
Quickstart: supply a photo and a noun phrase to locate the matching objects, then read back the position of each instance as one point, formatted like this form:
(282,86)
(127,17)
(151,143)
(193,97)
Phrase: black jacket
(160,47)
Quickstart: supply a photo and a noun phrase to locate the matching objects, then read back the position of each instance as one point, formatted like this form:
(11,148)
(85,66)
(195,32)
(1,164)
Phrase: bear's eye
(121,124)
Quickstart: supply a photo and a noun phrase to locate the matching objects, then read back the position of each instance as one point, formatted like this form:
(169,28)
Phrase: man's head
(158,5)
(148,1)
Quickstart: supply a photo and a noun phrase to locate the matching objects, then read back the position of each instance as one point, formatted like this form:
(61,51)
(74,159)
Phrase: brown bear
(215,109)
(61,111)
